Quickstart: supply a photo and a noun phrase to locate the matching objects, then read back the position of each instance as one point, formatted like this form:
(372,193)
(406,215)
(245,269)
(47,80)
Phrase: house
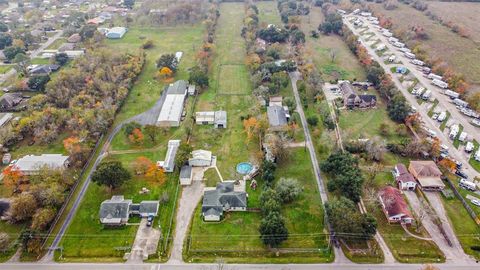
(169,163)
(172,108)
(394,206)
(201,158)
(427,174)
(116,32)
(353,100)
(96,21)
(117,210)
(186,175)
(66,47)
(405,180)
(74,53)
(31,164)
(277,116)
(9,100)
(43,70)
(222,199)
(74,38)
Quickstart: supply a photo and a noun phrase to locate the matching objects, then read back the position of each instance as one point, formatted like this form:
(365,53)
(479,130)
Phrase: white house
(169,163)
(32,164)
(200,158)
(405,180)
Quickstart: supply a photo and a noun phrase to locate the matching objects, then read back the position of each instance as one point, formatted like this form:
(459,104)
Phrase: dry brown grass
(462,54)
(464,14)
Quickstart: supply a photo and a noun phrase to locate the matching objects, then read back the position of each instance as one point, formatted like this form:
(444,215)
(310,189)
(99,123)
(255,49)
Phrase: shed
(200,158)
(186,175)
(191,90)
(220,119)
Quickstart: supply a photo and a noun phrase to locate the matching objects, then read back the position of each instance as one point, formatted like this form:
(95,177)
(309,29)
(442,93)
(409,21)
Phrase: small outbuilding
(200,158)
(186,175)
(116,32)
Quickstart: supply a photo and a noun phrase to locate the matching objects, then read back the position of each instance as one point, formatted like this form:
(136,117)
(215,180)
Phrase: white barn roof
(33,163)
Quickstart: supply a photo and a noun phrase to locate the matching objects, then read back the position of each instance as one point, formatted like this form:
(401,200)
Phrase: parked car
(476,202)
(149,221)
(461,174)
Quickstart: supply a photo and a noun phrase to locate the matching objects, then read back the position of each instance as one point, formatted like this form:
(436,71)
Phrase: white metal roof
(202,154)
(32,162)
(172,108)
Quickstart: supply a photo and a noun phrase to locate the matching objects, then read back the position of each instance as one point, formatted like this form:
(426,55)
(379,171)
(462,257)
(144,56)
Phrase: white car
(476,202)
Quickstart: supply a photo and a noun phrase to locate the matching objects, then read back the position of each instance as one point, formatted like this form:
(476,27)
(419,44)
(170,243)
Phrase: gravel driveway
(191,195)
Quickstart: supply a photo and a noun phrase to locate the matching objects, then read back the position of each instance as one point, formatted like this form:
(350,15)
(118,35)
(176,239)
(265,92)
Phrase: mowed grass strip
(234,80)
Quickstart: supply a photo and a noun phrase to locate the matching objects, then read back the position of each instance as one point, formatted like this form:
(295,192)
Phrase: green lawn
(5,68)
(268,12)
(13,231)
(56,44)
(85,239)
(235,80)
(444,123)
(475,164)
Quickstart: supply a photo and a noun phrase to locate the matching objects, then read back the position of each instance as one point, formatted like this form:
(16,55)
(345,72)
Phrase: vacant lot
(330,54)
(268,13)
(461,53)
(465,14)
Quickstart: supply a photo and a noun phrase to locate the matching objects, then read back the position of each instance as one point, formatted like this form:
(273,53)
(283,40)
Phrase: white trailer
(392,39)
(469,147)
(451,94)
(417,62)
(387,33)
(453,131)
(380,47)
(433,76)
(463,136)
(427,95)
(442,116)
(409,55)
(464,183)
(477,155)
(391,58)
(460,102)
(440,83)
(426,70)
(405,50)
(398,44)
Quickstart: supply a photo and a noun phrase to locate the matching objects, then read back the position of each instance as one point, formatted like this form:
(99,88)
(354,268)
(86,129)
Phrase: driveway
(191,195)
(452,253)
(146,242)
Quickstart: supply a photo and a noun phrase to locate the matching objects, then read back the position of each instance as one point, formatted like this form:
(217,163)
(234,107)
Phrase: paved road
(33,54)
(118,266)
(191,195)
(444,101)
(294,77)
(147,117)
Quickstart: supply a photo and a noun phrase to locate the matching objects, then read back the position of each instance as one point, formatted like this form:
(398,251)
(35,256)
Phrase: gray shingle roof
(276,116)
(148,207)
(223,197)
(177,88)
(186,171)
(114,209)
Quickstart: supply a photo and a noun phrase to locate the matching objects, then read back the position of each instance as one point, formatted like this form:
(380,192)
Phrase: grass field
(5,68)
(56,44)
(461,53)
(345,66)
(268,13)
(235,80)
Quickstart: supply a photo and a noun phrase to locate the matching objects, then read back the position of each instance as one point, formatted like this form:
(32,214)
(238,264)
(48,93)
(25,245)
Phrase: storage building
(172,107)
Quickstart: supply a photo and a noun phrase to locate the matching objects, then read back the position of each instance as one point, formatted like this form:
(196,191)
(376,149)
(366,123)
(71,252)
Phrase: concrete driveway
(146,242)
(191,195)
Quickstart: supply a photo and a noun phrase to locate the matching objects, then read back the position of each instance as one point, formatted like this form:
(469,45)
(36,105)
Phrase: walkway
(190,198)
(414,235)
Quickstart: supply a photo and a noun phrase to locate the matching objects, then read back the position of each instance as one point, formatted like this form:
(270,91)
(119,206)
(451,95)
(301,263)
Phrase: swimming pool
(244,168)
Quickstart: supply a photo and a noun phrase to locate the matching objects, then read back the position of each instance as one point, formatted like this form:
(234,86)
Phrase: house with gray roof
(117,210)
(9,100)
(277,117)
(222,199)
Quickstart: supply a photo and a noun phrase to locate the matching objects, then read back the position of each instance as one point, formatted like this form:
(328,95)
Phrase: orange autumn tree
(448,164)
(142,165)
(166,73)
(14,179)
(251,126)
(136,136)
(156,174)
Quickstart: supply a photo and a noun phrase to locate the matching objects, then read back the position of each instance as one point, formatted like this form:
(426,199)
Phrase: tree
(169,61)
(136,136)
(198,77)
(183,153)
(333,24)
(374,74)
(147,44)
(22,62)
(288,189)
(42,218)
(142,164)
(3,27)
(151,131)
(129,3)
(111,174)
(398,108)
(346,220)
(129,127)
(156,174)
(267,171)
(273,34)
(14,179)
(23,207)
(11,52)
(37,83)
(312,120)
(5,40)
(165,73)
(61,58)
(273,230)
(87,31)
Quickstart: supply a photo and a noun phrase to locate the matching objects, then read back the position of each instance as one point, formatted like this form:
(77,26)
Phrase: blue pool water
(244,168)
